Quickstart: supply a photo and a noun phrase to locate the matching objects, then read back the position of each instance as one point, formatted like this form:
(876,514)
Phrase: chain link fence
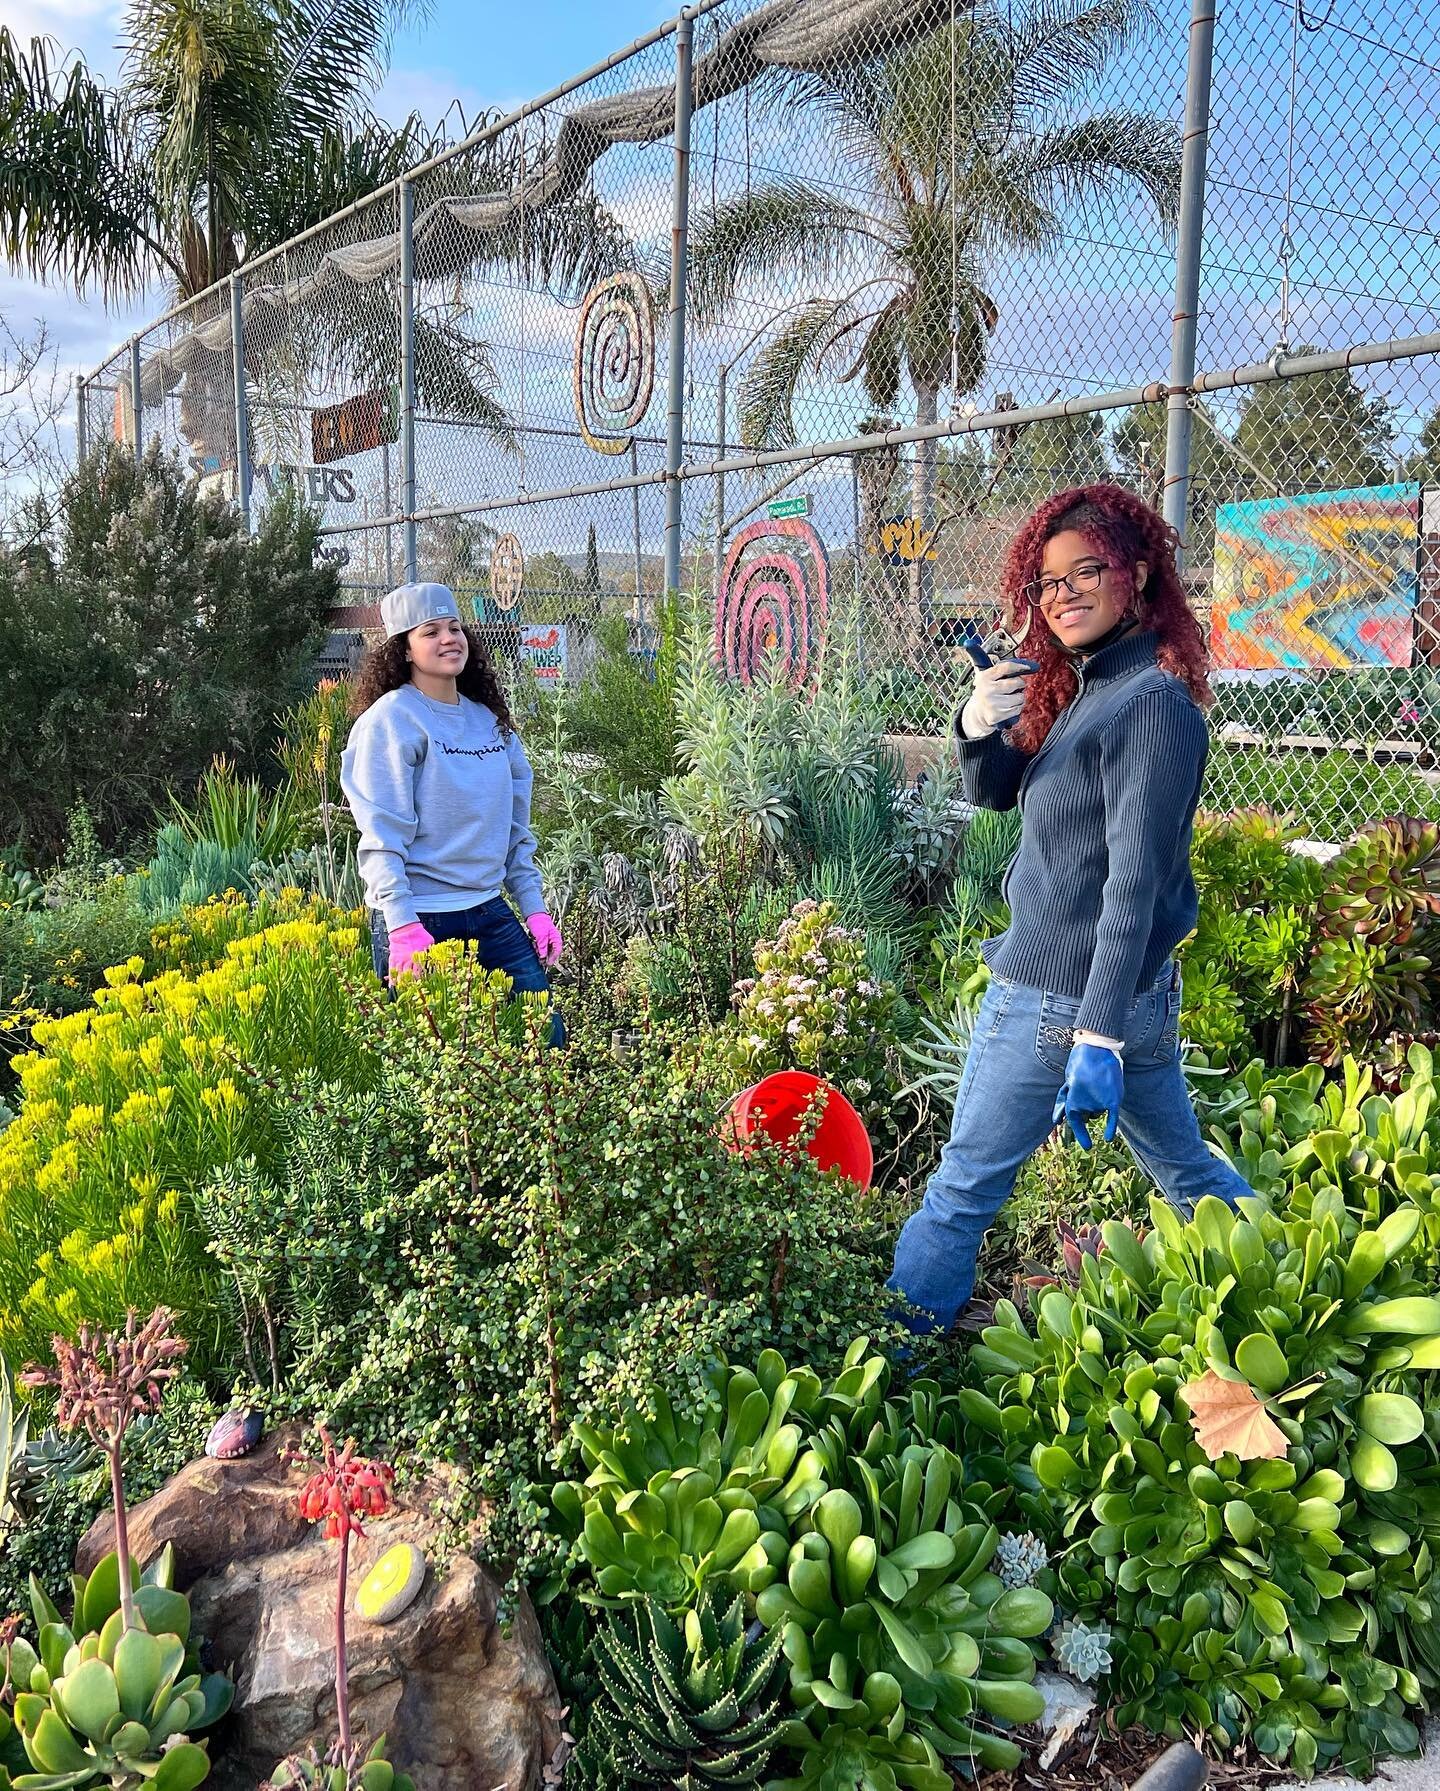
(801,309)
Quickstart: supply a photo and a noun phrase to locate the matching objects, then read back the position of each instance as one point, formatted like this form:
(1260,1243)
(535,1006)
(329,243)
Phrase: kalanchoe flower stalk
(104,1380)
(342,1490)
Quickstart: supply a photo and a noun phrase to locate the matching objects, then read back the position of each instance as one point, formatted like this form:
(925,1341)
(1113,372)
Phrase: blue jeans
(501,943)
(1014,1070)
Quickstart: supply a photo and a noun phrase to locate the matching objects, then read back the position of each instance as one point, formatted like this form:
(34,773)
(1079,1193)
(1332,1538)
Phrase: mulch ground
(1106,1762)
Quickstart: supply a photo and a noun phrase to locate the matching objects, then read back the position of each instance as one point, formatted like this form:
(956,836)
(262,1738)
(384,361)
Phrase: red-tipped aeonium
(342,1490)
(104,1379)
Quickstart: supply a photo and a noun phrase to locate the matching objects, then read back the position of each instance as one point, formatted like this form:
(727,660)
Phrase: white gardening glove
(996,700)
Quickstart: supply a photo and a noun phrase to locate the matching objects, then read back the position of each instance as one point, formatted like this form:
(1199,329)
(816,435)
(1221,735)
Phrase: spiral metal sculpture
(773,601)
(614,361)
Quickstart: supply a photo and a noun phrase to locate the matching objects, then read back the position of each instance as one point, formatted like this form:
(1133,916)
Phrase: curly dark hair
(386,668)
(1122,526)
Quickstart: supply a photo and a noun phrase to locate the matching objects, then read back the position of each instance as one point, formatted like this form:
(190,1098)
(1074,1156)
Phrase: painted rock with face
(235,1434)
(392,1583)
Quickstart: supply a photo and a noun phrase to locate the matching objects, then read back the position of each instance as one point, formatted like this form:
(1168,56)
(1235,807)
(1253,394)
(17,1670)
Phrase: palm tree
(239,124)
(969,148)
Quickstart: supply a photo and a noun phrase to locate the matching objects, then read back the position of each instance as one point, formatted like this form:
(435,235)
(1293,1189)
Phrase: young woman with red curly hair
(1100,740)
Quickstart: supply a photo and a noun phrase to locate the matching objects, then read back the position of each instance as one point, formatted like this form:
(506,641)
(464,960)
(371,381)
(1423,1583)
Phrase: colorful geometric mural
(1325,579)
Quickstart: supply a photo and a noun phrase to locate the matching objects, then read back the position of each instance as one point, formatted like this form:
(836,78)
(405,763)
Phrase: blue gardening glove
(1094,1082)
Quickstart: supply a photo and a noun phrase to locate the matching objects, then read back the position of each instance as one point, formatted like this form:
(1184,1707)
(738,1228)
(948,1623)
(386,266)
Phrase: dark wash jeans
(1014,1070)
(501,943)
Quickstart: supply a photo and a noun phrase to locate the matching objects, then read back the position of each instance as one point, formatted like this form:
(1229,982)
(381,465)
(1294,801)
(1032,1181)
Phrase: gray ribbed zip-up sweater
(1100,892)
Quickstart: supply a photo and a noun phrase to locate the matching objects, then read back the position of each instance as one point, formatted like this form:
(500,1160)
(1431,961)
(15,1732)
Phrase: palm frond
(332,54)
(205,76)
(308,183)
(784,224)
(767,395)
(76,199)
(1092,162)
(1060,48)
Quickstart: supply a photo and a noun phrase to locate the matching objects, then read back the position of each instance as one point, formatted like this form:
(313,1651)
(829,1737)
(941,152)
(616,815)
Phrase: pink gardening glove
(547,938)
(406,944)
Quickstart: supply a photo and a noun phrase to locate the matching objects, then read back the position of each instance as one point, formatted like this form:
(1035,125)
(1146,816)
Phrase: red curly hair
(1126,531)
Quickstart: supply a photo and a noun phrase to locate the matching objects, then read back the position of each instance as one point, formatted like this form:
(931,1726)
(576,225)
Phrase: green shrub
(1287,1600)
(130,1105)
(167,636)
(587,1237)
(623,713)
(53,959)
(1325,795)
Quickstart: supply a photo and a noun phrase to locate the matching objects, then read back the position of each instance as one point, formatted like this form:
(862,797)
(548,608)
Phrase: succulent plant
(1082,1651)
(891,1622)
(311,1771)
(1385,883)
(14,1441)
(1019,1560)
(115,1706)
(1281,1586)
(159,1609)
(1371,970)
(670,1501)
(687,1704)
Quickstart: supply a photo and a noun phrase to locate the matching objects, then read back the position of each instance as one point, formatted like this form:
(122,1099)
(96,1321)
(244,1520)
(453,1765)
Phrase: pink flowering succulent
(104,1380)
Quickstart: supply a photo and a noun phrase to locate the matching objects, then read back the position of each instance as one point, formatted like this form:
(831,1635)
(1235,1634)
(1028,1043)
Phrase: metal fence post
(242,407)
(136,408)
(679,256)
(722,404)
(635,519)
(1188,240)
(407,375)
(82,425)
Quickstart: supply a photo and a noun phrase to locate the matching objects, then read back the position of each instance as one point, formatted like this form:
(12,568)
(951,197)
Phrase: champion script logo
(472,752)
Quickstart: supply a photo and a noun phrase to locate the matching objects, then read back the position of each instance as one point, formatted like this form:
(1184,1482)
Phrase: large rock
(465,1707)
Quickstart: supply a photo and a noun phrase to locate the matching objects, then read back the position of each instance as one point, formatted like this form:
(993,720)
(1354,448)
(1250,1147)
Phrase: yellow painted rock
(391,1584)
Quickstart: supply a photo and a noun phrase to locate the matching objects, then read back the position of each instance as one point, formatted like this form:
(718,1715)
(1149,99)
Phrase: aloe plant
(690,1704)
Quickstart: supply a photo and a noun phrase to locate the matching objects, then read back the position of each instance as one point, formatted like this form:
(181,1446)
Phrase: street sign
(791,506)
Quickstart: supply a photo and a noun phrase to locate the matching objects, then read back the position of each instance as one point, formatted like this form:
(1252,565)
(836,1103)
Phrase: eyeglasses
(1040,593)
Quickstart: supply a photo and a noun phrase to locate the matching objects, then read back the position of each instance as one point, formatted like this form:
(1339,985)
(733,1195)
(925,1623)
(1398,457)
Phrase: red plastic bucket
(778,1107)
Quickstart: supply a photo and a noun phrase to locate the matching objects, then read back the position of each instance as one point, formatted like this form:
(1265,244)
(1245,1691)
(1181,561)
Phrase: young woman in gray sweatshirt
(439,785)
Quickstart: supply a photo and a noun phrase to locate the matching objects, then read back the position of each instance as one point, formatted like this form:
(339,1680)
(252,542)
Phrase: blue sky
(483,56)
(1096,315)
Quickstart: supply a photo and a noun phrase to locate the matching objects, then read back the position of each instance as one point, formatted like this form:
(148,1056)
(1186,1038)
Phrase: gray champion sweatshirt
(442,800)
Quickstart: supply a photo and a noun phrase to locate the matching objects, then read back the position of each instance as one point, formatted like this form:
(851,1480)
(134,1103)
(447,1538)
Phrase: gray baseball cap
(410,605)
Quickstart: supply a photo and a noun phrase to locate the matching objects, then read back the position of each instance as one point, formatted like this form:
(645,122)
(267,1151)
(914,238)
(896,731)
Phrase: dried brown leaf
(1228,1418)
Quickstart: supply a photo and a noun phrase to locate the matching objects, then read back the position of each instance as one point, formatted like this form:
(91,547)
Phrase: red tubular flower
(345,1488)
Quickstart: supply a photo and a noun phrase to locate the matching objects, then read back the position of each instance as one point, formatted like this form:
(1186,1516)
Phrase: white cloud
(89,26)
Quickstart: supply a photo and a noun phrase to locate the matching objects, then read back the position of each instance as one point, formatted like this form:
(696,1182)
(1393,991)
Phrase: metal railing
(936,260)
